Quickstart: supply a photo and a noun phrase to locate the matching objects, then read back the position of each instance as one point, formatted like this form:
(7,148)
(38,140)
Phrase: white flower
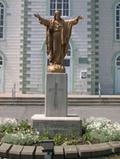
(101,124)
(8,120)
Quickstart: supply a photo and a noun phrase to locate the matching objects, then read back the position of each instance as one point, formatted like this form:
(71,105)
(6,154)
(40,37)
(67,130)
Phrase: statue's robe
(57,38)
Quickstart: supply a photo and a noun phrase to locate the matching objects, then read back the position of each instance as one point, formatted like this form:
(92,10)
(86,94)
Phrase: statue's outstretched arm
(74,21)
(42,20)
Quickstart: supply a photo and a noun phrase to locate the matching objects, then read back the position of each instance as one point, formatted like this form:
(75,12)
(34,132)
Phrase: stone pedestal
(55,119)
(63,125)
(56,95)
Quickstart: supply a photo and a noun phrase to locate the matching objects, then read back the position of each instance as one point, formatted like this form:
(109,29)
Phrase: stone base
(56,95)
(62,125)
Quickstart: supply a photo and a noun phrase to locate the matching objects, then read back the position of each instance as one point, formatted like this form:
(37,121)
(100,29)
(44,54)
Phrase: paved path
(17,112)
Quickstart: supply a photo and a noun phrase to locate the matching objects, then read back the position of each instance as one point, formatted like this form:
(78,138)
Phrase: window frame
(62,9)
(117,22)
(3,26)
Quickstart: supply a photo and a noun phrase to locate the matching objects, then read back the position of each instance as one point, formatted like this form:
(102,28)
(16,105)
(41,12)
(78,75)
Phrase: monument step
(71,105)
(91,105)
(74,101)
(22,104)
(93,101)
(21,101)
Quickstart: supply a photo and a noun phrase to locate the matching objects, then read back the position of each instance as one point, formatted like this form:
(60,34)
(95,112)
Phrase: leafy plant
(7,125)
(72,142)
(24,125)
(100,130)
(58,139)
(44,136)
(20,138)
(7,128)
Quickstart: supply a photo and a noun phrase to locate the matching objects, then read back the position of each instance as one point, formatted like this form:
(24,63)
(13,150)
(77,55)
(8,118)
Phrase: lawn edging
(60,152)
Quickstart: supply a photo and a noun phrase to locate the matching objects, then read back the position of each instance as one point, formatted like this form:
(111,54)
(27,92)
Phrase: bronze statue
(58,33)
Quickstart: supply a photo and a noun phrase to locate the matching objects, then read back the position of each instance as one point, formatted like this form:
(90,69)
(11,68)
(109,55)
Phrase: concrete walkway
(23,112)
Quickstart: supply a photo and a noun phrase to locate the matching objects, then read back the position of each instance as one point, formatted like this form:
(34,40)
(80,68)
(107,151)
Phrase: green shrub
(7,125)
(44,136)
(58,139)
(98,130)
(24,125)
(20,138)
(8,128)
(72,142)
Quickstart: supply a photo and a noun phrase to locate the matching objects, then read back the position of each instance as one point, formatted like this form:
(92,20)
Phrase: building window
(1,20)
(1,62)
(67,59)
(118,61)
(117,21)
(61,5)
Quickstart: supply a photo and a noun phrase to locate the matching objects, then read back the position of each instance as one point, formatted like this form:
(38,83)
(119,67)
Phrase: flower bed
(21,133)
(95,130)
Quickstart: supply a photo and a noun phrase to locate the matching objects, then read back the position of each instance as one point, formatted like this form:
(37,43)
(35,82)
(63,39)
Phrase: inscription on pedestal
(62,125)
(56,95)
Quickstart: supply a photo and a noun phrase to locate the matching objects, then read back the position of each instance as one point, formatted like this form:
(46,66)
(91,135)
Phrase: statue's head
(57,15)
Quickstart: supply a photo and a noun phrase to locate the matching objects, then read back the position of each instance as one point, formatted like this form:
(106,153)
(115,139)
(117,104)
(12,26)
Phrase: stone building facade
(10,35)
(93,59)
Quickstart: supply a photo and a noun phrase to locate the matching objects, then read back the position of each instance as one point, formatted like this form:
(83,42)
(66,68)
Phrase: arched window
(1,20)
(1,73)
(117,74)
(118,61)
(68,56)
(62,5)
(68,67)
(117,21)
(1,61)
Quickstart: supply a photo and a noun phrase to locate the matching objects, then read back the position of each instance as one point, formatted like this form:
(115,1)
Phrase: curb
(60,152)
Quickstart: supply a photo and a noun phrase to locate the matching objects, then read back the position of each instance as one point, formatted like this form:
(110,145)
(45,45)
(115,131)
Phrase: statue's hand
(37,16)
(80,17)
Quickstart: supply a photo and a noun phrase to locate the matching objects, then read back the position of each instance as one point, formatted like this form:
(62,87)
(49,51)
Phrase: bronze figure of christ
(58,32)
